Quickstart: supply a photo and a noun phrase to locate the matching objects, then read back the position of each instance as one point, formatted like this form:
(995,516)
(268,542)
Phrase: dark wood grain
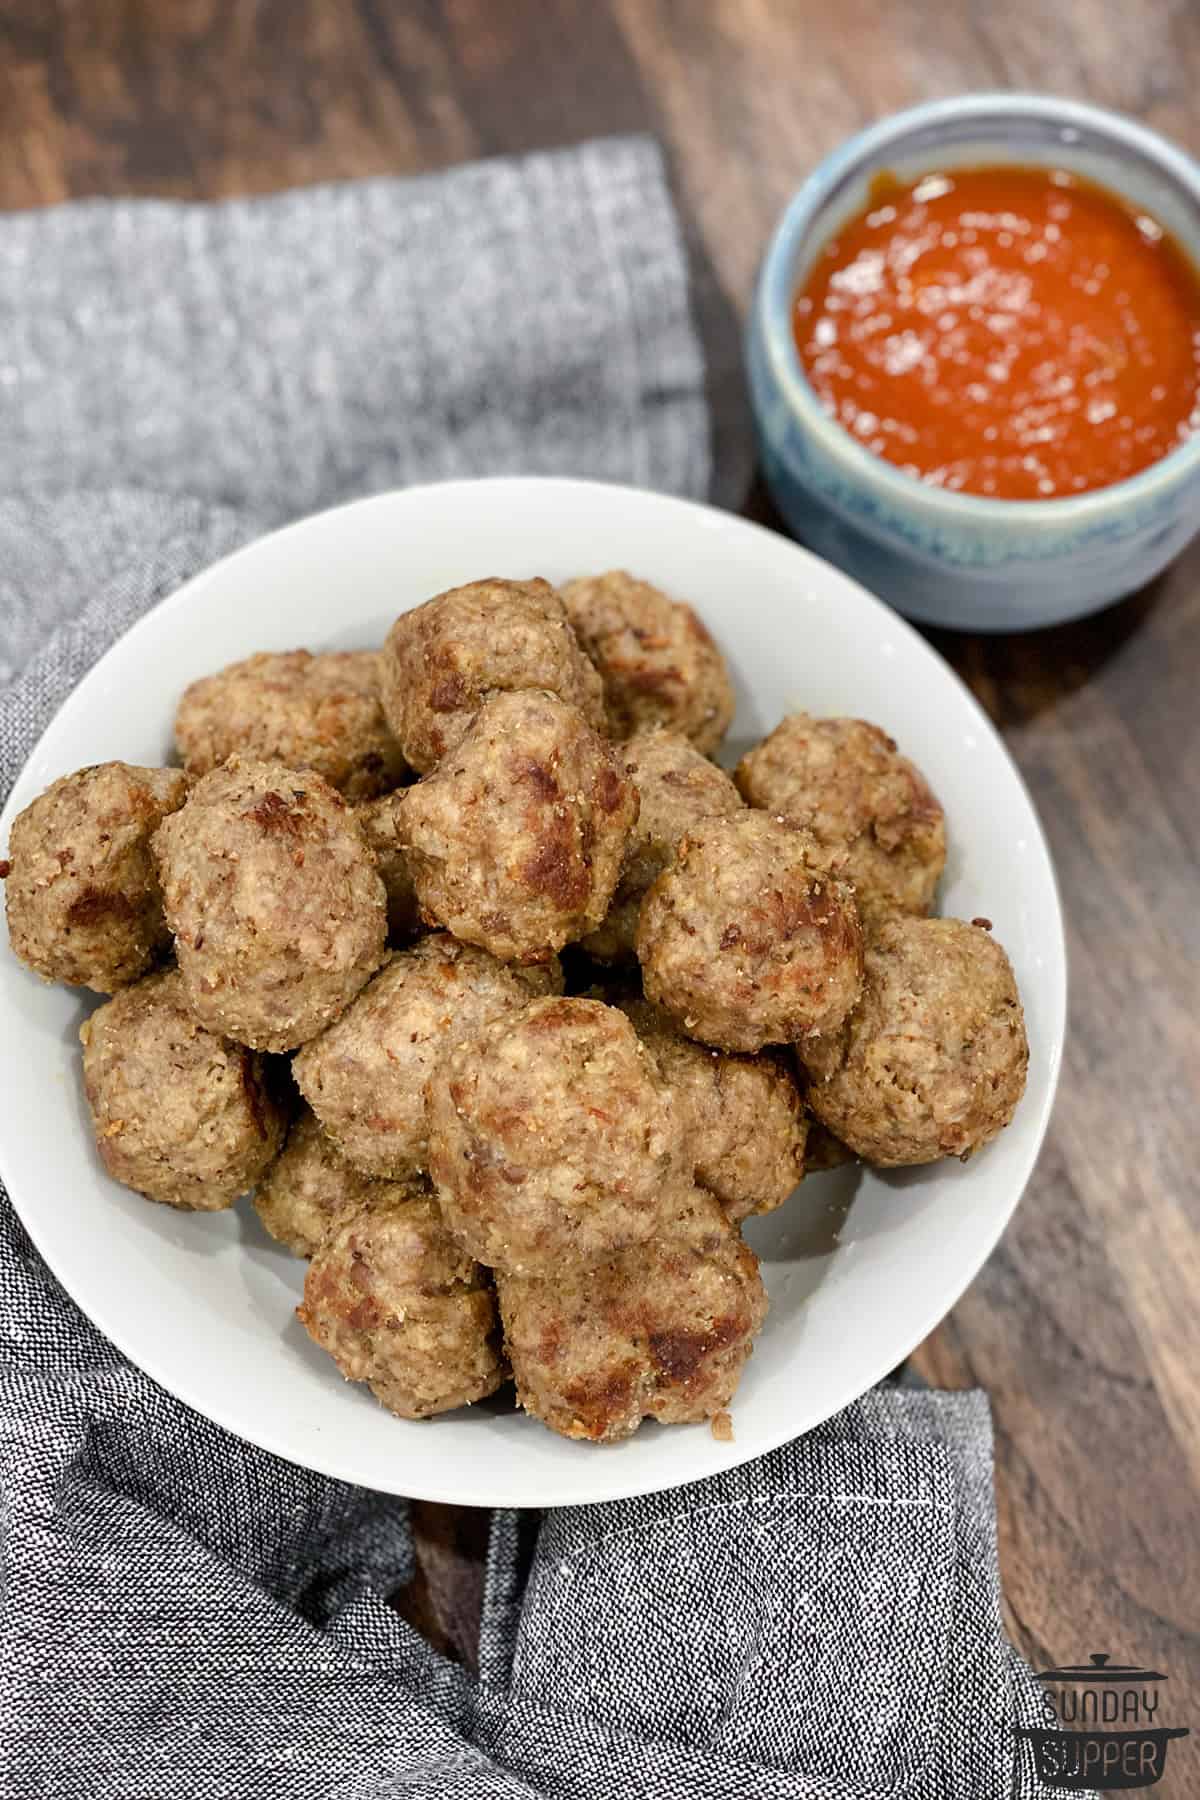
(1085,1325)
(444,1599)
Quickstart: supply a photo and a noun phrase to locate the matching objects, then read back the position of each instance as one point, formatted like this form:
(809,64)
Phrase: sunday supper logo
(1103,1726)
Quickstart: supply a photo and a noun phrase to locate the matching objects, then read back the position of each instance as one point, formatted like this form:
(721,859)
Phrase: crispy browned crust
(365,1076)
(278,911)
(750,937)
(848,783)
(307,1186)
(553,1137)
(442,660)
(318,712)
(81,890)
(659,1332)
(747,1125)
(515,841)
(932,1061)
(398,1305)
(181,1114)
(677,788)
(659,664)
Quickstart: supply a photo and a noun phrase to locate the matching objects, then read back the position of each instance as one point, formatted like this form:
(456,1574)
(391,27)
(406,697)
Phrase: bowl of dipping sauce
(974,359)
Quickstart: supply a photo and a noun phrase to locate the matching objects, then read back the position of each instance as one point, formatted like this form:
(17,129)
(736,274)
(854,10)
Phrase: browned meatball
(365,1076)
(278,911)
(747,1125)
(82,895)
(444,659)
(307,1186)
(181,1114)
(662,1331)
(677,787)
(378,822)
(848,783)
(515,841)
(398,1305)
(823,1151)
(553,1138)
(658,662)
(307,712)
(932,1061)
(749,938)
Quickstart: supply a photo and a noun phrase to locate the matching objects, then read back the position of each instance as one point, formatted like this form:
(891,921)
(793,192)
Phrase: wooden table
(1085,1326)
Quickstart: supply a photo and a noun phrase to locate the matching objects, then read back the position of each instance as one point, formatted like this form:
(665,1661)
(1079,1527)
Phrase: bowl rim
(858,465)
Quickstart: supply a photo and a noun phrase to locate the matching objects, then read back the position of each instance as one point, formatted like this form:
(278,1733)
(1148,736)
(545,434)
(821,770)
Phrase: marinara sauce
(1014,332)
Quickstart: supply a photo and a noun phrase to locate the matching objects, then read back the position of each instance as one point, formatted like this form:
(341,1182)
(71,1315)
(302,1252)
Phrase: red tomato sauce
(1013,332)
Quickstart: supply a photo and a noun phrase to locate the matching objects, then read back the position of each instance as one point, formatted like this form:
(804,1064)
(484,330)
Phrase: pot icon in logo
(1102,1726)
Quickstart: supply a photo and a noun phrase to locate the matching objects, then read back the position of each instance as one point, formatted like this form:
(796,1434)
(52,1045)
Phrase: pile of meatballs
(506,1001)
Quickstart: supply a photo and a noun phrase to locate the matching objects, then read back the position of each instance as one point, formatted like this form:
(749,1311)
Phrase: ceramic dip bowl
(950,558)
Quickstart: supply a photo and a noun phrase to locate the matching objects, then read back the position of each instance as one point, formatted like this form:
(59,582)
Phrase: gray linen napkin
(184,1614)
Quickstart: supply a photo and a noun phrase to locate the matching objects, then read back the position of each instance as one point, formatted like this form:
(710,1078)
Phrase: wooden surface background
(1085,1326)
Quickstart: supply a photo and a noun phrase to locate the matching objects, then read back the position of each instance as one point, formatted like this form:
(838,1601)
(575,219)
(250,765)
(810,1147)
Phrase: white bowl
(859,1267)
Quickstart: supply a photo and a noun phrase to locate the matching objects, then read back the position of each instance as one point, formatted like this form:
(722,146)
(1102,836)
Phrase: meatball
(750,937)
(307,1187)
(82,894)
(659,664)
(515,841)
(553,1138)
(677,787)
(662,1331)
(365,1076)
(444,659)
(747,1124)
(823,1151)
(932,1061)
(848,783)
(308,712)
(180,1114)
(398,1305)
(278,912)
(378,822)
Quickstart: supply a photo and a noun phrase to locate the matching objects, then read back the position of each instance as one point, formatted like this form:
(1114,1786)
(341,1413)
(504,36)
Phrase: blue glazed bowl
(952,558)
